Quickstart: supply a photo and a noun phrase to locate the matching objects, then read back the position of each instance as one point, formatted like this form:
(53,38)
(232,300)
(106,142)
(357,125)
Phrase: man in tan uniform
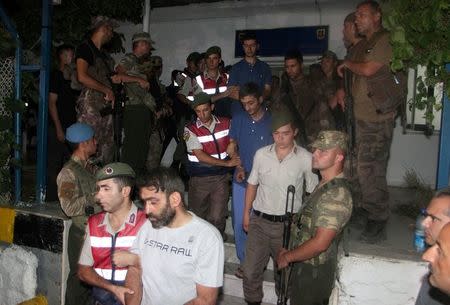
(76,188)
(373,127)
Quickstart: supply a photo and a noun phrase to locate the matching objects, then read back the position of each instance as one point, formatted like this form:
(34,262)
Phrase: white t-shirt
(174,260)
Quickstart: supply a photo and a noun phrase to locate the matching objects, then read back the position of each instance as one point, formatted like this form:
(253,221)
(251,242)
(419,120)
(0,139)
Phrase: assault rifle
(117,113)
(285,272)
(349,117)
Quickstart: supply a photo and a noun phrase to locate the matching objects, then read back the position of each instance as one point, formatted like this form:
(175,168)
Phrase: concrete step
(230,253)
(233,286)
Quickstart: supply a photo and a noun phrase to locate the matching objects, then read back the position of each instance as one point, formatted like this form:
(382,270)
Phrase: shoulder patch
(67,190)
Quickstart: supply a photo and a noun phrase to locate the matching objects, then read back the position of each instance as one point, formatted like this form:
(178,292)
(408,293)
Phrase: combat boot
(374,232)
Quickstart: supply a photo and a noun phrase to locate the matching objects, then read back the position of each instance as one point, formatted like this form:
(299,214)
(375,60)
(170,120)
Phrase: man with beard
(437,216)
(114,228)
(374,114)
(94,71)
(180,256)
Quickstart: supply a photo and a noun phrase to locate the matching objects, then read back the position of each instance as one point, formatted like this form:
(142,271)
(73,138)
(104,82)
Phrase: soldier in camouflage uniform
(319,224)
(303,95)
(369,61)
(153,69)
(94,71)
(76,190)
(139,113)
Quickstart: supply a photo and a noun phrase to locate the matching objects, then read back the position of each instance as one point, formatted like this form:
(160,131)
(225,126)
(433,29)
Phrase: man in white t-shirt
(177,258)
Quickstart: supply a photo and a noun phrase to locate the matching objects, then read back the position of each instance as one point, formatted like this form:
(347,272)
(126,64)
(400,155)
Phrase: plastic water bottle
(419,233)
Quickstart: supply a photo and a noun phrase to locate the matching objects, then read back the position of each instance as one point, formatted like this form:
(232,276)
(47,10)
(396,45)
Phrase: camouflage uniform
(138,117)
(329,206)
(163,106)
(310,103)
(373,132)
(76,188)
(92,101)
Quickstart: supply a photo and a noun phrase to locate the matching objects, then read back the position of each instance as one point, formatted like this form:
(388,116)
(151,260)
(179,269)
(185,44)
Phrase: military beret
(281,118)
(141,36)
(329,54)
(113,170)
(79,132)
(328,139)
(200,99)
(214,50)
(98,21)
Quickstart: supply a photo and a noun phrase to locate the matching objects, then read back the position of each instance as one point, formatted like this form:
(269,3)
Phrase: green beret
(113,170)
(200,99)
(281,118)
(330,139)
(214,50)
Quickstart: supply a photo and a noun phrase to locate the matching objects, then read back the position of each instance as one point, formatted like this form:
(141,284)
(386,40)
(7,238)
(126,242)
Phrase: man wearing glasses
(437,216)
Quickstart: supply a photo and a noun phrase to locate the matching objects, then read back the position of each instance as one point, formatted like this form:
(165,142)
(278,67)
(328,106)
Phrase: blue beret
(79,132)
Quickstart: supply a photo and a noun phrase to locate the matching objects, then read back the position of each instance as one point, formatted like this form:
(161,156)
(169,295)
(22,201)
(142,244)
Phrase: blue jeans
(104,297)
(237,207)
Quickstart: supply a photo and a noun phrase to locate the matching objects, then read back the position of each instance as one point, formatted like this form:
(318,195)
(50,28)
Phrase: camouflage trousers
(155,149)
(373,143)
(89,105)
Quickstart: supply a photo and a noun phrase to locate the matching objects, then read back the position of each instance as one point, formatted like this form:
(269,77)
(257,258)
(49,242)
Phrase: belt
(273,218)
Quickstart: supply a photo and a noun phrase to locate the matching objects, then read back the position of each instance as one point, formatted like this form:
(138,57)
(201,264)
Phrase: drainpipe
(41,175)
(444,144)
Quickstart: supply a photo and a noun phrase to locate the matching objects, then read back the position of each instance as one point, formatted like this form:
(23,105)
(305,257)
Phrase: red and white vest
(214,144)
(103,244)
(211,86)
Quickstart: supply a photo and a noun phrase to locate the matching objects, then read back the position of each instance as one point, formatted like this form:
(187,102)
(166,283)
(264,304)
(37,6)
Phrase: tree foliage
(420,35)
(71,19)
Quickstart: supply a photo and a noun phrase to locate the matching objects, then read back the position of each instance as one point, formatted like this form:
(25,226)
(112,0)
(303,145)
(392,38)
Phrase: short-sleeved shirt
(86,51)
(191,138)
(175,260)
(365,51)
(86,257)
(331,210)
(243,72)
(250,135)
(273,178)
(76,188)
(66,99)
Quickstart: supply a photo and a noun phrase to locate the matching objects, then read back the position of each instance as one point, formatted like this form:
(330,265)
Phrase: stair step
(233,286)
(230,253)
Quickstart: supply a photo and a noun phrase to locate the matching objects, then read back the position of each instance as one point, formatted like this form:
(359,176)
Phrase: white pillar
(146,18)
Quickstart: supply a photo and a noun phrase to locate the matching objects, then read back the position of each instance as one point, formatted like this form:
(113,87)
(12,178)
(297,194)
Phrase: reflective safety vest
(211,86)
(214,144)
(103,244)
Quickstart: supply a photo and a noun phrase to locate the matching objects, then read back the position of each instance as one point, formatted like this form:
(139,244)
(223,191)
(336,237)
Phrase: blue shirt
(250,136)
(242,72)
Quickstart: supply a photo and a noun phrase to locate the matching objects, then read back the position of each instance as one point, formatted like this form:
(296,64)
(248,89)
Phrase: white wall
(177,31)
(373,280)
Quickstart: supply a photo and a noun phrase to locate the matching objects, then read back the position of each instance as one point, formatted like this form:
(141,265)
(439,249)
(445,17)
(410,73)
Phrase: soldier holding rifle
(275,167)
(317,229)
